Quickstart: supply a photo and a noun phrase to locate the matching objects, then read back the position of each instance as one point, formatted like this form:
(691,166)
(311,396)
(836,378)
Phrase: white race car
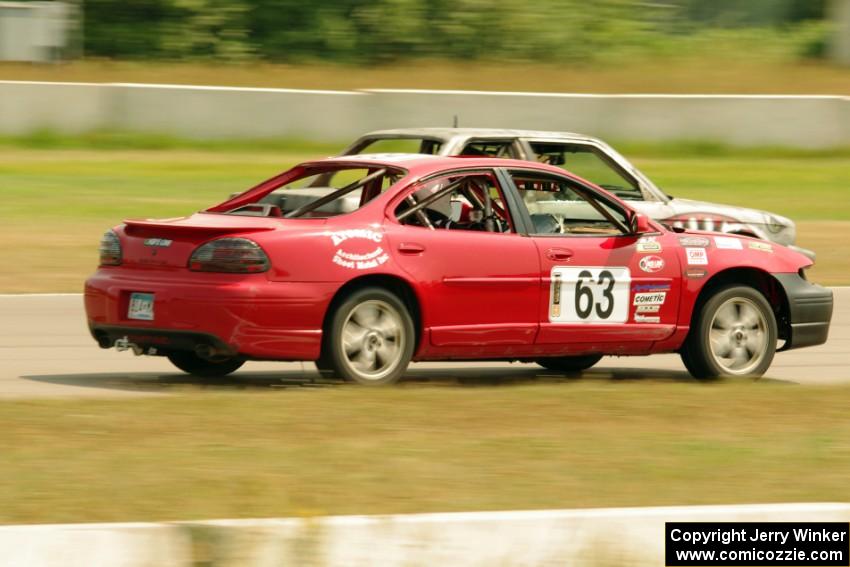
(593,160)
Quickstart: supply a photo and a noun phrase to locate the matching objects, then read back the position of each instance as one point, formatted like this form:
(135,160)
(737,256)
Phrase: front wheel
(734,334)
(370,338)
(191,363)
(569,363)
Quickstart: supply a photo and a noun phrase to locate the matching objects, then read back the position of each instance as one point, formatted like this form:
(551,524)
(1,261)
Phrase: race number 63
(589,295)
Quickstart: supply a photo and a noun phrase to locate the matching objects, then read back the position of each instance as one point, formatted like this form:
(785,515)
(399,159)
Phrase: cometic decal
(650,298)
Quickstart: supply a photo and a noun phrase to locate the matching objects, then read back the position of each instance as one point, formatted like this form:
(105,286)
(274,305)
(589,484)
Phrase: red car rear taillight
(232,255)
(110,249)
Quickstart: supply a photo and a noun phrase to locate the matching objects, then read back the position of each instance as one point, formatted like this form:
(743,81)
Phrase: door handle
(411,248)
(559,253)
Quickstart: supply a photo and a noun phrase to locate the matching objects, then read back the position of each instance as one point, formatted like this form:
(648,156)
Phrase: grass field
(672,75)
(59,196)
(421,448)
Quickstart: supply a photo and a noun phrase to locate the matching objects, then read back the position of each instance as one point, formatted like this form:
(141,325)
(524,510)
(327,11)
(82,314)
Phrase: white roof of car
(446,133)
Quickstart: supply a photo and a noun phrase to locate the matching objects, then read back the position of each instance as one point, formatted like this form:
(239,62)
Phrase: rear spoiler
(200,223)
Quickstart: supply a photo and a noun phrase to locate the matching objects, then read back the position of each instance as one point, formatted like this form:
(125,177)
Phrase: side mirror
(640,224)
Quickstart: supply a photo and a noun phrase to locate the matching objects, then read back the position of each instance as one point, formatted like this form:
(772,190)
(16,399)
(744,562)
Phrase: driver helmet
(443,205)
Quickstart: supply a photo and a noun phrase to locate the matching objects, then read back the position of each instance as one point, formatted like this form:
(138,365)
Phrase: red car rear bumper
(248,315)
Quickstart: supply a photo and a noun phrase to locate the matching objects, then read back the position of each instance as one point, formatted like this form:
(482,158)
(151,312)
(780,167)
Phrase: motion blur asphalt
(46,351)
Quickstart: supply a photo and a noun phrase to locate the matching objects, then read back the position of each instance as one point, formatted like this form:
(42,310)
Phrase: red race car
(364,263)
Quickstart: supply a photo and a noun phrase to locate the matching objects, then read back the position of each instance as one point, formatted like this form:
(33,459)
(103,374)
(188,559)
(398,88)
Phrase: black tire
(569,363)
(380,337)
(733,334)
(191,363)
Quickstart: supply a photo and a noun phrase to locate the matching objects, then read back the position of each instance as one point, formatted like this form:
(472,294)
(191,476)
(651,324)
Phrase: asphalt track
(46,351)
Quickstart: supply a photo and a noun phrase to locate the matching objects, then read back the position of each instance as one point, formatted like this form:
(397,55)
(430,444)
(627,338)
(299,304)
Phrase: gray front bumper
(809,311)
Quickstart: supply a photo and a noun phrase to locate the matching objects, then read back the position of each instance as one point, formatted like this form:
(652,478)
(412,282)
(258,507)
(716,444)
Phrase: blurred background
(387,31)
(609,35)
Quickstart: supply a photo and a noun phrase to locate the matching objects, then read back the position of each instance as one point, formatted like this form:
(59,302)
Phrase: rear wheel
(191,363)
(370,338)
(569,363)
(734,334)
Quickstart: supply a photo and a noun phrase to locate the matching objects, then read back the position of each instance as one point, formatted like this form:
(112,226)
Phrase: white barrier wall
(622,537)
(739,120)
(231,112)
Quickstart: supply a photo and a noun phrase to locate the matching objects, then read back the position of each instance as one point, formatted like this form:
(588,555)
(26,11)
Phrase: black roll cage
(461,183)
(313,205)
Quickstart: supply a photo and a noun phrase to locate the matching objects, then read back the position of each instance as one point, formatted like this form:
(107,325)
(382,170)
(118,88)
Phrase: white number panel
(589,295)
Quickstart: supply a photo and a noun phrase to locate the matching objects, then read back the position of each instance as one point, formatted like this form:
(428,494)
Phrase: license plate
(141,306)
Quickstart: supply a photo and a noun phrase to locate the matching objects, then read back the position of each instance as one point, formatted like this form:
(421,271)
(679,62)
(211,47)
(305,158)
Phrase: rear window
(322,192)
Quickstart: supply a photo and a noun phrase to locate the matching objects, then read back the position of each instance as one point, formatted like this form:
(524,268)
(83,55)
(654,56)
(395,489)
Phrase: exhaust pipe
(207,352)
(123,344)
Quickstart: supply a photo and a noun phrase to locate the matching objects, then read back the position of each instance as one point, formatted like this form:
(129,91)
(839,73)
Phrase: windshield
(318,192)
(588,163)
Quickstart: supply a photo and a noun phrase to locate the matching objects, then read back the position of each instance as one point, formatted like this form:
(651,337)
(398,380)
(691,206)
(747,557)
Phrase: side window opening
(456,202)
(588,163)
(401,145)
(559,206)
(490,148)
(343,189)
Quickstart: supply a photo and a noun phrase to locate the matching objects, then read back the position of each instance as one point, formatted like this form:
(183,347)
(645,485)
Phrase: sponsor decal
(651,263)
(342,235)
(158,242)
(648,308)
(589,294)
(650,298)
(651,287)
(728,243)
(556,295)
(648,244)
(695,273)
(358,260)
(762,246)
(695,241)
(697,256)
(647,318)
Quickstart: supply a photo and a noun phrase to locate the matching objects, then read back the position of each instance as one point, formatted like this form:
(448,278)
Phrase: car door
(602,288)
(480,280)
